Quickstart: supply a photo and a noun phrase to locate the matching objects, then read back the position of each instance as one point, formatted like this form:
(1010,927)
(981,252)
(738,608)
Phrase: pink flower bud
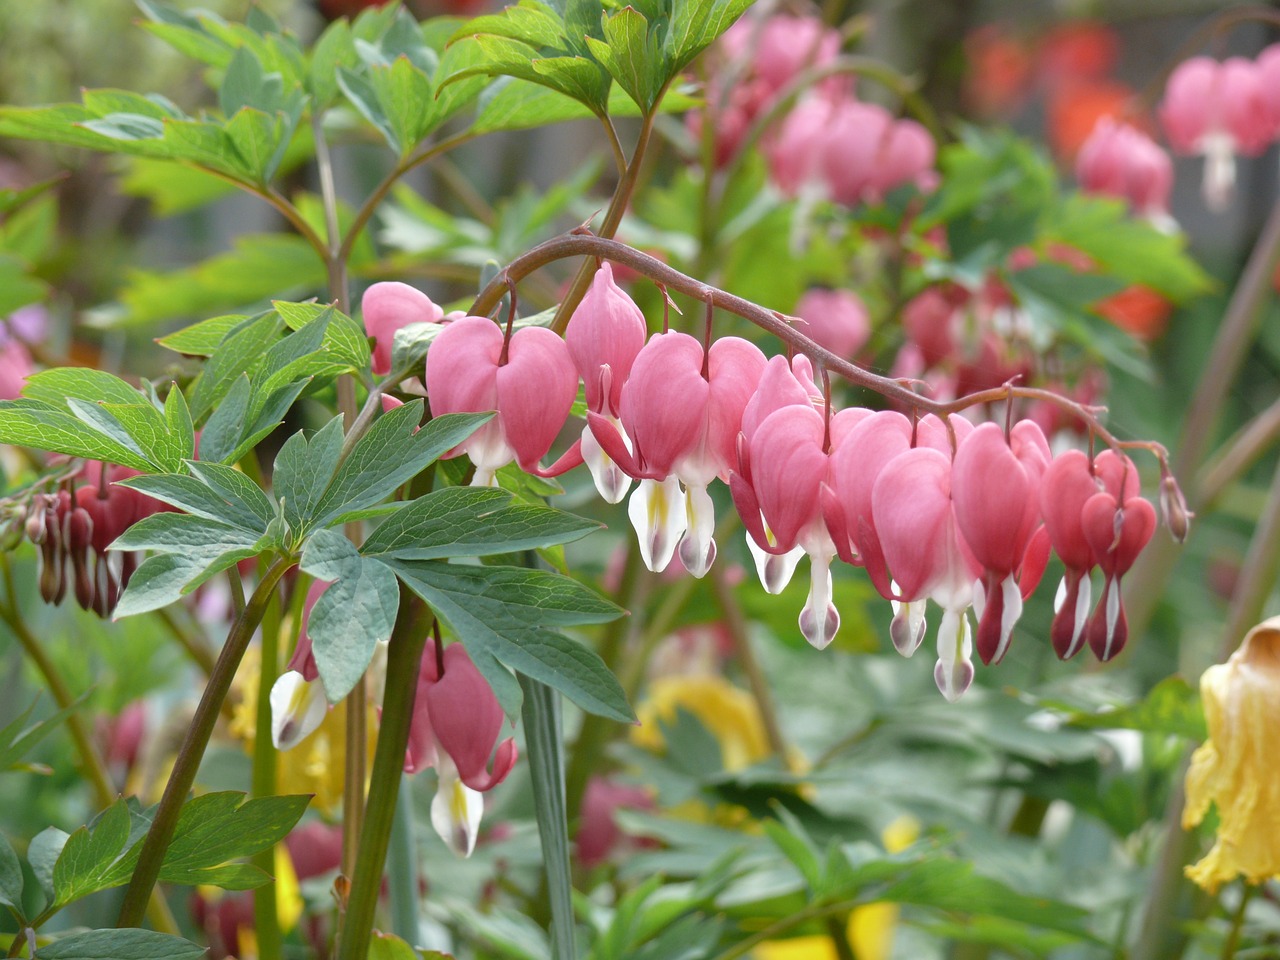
(835,319)
(389,306)
(1121,161)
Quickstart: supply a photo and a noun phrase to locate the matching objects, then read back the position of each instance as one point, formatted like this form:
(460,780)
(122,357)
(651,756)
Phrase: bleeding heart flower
(1119,160)
(455,728)
(604,336)
(682,410)
(298,701)
(835,319)
(996,488)
(1117,524)
(388,307)
(1217,110)
(781,509)
(531,385)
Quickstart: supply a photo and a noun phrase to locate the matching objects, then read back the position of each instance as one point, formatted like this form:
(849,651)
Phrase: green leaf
(303,470)
(87,861)
(197,497)
(177,418)
(501,613)
(17,287)
(577,77)
(202,339)
(11,882)
(1172,708)
(695,24)
(353,615)
(42,854)
(225,426)
(790,837)
(387,946)
(190,550)
(632,53)
(29,423)
(219,827)
(344,339)
(544,742)
(333,51)
(57,386)
(242,351)
(472,522)
(236,488)
(246,85)
(391,453)
(125,944)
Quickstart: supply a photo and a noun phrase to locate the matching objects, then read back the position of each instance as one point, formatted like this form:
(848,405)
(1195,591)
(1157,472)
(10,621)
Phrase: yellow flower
(1236,768)
(870,929)
(728,713)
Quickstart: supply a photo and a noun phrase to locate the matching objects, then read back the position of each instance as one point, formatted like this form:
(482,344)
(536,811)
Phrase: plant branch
(1237,455)
(612,219)
(619,155)
(193,746)
(370,206)
(404,655)
(585,244)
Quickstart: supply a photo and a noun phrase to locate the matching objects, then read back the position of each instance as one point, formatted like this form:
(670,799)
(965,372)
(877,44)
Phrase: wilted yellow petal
(1236,769)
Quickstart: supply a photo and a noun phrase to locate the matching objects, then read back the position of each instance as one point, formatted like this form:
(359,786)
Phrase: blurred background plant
(774,799)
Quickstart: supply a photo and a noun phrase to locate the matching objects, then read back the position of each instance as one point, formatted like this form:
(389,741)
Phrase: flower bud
(1173,508)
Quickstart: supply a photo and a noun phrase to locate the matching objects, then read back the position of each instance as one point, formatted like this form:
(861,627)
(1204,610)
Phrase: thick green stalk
(193,746)
(403,658)
(266,910)
(544,743)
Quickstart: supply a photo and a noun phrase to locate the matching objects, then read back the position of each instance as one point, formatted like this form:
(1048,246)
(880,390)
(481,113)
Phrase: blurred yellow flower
(1236,768)
(316,764)
(870,929)
(728,712)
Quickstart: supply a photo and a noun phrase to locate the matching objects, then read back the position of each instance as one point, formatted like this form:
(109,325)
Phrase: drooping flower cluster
(828,144)
(1121,161)
(74,527)
(935,510)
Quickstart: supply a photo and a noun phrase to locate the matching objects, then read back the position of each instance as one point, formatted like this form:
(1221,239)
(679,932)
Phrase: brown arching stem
(585,244)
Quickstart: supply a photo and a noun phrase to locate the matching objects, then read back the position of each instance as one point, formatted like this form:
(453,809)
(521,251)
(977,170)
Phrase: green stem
(612,219)
(1232,943)
(402,868)
(193,746)
(266,911)
(837,930)
(404,656)
(544,744)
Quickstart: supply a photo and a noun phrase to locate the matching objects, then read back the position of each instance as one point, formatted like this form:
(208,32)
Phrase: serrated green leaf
(632,53)
(333,50)
(303,470)
(90,854)
(225,426)
(124,944)
(202,339)
(577,77)
(242,352)
(30,423)
(11,882)
(353,615)
(218,827)
(695,24)
(501,613)
(391,453)
(245,84)
(236,488)
(189,550)
(198,498)
(472,522)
